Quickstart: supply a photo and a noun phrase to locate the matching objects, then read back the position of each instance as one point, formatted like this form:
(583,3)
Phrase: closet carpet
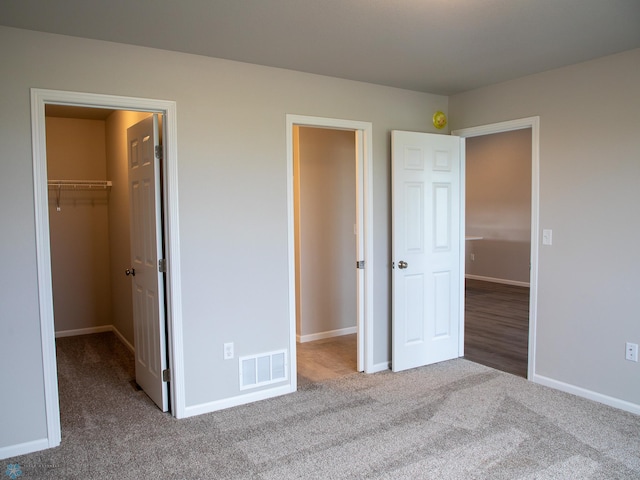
(453,420)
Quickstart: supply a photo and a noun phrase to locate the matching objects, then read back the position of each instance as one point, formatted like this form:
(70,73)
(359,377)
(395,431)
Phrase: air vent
(263,369)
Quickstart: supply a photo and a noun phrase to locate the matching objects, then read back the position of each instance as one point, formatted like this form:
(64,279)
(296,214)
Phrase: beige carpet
(454,420)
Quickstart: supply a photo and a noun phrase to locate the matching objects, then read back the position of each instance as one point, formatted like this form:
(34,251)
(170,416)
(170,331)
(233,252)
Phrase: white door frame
(39,98)
(364,208)
(534,124)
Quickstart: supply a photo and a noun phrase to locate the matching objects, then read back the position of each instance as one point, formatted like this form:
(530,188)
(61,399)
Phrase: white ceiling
(436,46)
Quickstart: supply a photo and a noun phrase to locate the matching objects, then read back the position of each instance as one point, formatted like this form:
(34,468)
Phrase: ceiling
(436,46)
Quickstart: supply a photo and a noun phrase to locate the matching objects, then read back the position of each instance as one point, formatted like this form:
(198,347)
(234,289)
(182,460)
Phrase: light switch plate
(547,237)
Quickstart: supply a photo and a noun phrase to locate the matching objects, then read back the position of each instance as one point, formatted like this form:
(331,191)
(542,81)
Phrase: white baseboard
(380,367)
(100,329)
(24,448)
(123,340)
(328,334)
(210,407)
(497,280)
(84,331)
(584,393)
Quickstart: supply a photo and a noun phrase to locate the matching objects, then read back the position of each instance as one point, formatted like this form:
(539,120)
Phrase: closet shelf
(80,184)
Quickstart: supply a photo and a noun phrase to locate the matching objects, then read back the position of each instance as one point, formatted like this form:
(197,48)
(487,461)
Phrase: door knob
(402,264)
(130,271)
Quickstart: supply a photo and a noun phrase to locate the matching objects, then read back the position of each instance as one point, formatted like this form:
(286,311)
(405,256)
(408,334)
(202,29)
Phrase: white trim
(328,334)
(463,244)
(40,97)
(24,448)
(210,407)
(84,331)
(589,394)
(123,340)
(91,330)
(360,243)
(291,258)
(365,230)
(380,367)
(503,281)
(534,124)
(43,259)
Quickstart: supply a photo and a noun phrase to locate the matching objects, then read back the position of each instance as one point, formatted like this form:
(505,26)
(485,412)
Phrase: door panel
(146,250)
(427,236)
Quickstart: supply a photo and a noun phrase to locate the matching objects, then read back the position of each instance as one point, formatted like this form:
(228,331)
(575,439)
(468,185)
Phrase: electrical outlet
(631,352)
(228,351)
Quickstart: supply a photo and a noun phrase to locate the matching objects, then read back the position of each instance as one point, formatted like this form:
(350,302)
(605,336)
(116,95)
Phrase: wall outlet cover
(228,351)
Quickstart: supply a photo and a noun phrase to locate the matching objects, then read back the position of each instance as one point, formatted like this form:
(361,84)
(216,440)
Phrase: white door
(426,242)
(146,250)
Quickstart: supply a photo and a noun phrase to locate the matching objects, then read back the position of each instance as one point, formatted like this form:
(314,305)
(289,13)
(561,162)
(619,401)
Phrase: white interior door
(426,237)
(146,250)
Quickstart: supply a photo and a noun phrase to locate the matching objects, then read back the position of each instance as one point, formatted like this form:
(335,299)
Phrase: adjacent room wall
(79,230)
(232,179)
(498,206)
(327,205)
(589,174)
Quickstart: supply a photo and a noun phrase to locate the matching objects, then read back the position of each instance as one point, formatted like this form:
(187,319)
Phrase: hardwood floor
(497,326)
(328,358)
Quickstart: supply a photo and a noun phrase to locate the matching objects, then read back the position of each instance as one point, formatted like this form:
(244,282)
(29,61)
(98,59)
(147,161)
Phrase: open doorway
(498,250)
(41,99)
(501,205)
(99,231)
(326,252)
(349,249)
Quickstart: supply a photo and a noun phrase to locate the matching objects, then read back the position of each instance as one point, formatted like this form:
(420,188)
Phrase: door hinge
(159,152)
(162,265)
(166,375)
(360,264)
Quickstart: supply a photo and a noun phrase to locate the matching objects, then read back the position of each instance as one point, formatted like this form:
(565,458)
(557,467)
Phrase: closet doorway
(101,168)
(82,216)
(326,252)
(330,237)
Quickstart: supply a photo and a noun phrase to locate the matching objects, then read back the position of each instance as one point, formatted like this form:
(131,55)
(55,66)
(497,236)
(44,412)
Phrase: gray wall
(232,192)
(327,175)
(589,195)
(498,206)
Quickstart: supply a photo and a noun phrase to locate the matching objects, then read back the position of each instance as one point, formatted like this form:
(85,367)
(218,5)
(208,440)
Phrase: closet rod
(80,184)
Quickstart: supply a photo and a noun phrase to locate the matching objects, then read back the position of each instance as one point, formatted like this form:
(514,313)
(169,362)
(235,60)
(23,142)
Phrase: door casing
(534,124)
(40,98)
(364,216)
